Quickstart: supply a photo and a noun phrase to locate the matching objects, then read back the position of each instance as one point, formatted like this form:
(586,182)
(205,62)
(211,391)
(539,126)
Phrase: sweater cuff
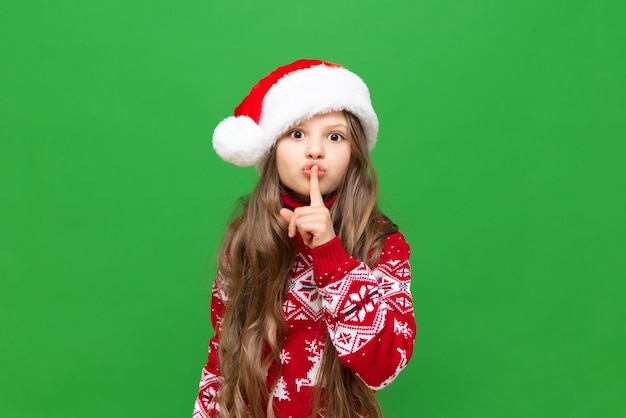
(331,262)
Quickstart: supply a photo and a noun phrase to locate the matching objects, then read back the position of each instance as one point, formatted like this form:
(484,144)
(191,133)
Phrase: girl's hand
(312,222)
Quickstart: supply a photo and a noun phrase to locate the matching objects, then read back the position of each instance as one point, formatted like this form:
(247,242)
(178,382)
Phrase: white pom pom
(240,141)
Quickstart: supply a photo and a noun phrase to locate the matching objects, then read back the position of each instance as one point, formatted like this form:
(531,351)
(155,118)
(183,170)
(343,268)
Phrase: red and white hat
(285,97)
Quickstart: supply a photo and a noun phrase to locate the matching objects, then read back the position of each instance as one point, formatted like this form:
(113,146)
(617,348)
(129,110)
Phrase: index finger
(314,188)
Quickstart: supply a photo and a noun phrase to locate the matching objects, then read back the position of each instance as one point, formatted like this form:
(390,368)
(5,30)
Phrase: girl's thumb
(286,214)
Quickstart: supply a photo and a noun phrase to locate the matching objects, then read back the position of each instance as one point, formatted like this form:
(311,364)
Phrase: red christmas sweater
(368,313)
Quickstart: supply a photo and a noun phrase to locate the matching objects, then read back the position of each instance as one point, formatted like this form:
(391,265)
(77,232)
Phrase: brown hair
(255,261)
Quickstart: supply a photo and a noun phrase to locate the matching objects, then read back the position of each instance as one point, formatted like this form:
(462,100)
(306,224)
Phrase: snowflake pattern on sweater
(368,314)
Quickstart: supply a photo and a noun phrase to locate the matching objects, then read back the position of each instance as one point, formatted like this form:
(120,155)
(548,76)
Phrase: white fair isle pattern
(304,302)
(393,284)
(316,350)
(402,328)
(354,305)
(281,393)
(219,286)
(401,365)
(284,356)
(206,396)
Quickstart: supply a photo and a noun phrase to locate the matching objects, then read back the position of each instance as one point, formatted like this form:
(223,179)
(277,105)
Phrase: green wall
(501,156)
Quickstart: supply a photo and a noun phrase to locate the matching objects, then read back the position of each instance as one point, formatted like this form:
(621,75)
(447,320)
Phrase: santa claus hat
(285,97)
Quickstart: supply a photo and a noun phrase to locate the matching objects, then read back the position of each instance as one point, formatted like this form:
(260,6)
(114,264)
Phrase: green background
(501,156)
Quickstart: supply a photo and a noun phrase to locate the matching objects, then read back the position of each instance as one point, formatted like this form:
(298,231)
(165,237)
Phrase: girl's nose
(315,149)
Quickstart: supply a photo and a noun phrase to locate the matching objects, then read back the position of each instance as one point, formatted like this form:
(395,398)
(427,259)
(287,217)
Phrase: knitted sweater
(368,312)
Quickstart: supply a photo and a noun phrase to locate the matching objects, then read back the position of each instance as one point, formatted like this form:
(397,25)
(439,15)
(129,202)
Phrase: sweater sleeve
(211,379)
(368,312)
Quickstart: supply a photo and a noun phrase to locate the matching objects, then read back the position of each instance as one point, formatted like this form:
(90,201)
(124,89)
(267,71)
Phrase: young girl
(311,304)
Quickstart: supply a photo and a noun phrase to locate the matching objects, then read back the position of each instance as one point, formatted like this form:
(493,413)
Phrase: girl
(311,304)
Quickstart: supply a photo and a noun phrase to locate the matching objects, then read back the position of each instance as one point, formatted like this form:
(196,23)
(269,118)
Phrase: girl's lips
(320,172)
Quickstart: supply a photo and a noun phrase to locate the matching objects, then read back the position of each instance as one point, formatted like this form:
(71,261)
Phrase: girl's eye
(335,137)
(296,134)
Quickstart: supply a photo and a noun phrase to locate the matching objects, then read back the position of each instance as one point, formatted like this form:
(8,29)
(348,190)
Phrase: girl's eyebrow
(304,125)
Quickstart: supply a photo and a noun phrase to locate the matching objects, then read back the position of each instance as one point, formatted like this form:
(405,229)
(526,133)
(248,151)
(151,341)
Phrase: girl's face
(321,140)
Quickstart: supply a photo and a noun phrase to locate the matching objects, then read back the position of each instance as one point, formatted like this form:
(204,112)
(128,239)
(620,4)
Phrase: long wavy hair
(255,261)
